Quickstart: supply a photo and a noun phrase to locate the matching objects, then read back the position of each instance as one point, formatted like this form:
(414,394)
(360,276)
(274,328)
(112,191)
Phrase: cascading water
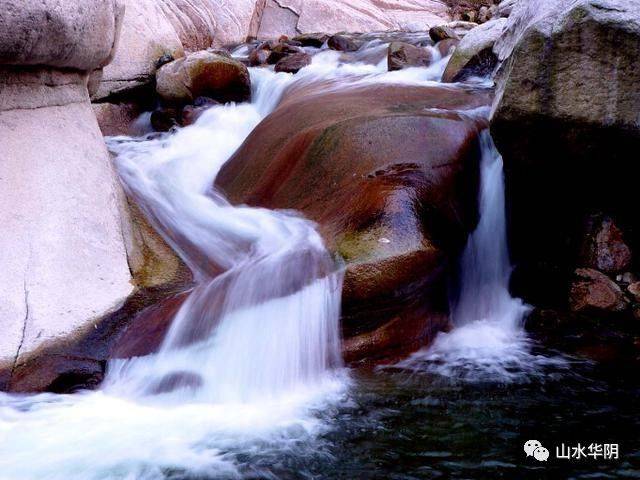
(266,325)
(250,355)
(488,341)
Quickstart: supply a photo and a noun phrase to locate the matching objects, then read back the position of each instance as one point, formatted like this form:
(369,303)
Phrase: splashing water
(488,341)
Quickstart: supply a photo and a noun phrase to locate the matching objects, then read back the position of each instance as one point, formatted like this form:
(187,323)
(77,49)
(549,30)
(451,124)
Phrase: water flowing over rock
(153,28)
(391,191)
(566,119)
(506,7)
(487,341)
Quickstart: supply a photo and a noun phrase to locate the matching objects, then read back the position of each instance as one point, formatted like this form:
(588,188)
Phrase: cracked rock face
(62,255)
(330,16)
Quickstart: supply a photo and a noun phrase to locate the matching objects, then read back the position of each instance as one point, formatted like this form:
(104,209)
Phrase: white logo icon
(530,446)
(534,448)
(541,454)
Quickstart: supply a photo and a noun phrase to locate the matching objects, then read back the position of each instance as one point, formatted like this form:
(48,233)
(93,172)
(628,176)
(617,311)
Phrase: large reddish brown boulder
(604,247)
(204,74)
(389,175)
(594,292)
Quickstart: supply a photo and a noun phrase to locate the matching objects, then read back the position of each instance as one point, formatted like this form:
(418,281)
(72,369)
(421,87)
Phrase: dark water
(396,425)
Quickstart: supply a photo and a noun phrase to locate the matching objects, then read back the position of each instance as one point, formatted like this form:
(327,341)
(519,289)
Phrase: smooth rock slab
(69,34)
(390,178)
(62,254)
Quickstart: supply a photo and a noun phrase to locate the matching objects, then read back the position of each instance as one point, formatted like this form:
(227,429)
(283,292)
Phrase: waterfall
(485,268)
(488,341)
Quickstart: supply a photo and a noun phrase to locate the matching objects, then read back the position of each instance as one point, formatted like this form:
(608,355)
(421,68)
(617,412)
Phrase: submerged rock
(403,55)
(204,73)
(293,63)
(343,43)
(175,381)
(392,186)
(191,113)
(593,291)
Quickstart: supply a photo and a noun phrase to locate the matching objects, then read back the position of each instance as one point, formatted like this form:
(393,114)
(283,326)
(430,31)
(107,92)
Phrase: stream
(256,388)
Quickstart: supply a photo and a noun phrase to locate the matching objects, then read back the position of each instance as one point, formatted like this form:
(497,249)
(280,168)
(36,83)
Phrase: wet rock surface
(343,43)
(403,55)
(394,210)
(293,63)
(204,73)
(474,54)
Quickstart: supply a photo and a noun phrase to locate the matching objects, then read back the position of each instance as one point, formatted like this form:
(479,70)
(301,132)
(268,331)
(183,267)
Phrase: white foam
(488,341)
